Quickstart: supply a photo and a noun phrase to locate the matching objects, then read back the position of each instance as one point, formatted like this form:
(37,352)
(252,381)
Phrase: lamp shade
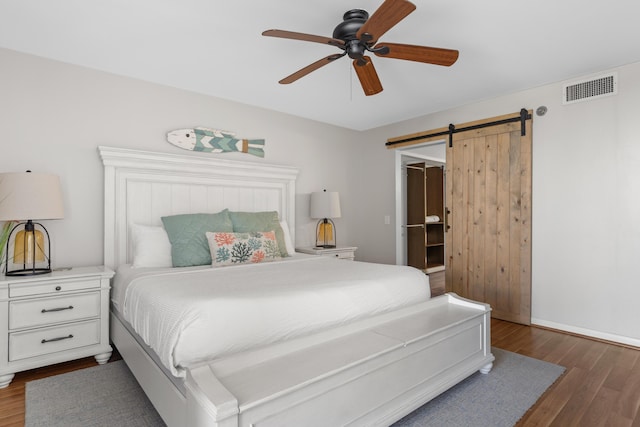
(28,195)
(325,204)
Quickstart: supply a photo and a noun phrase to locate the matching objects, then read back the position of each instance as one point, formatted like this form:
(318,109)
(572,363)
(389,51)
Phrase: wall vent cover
(591,88)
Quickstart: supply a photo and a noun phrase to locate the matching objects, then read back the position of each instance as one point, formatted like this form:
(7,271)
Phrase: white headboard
(140,187)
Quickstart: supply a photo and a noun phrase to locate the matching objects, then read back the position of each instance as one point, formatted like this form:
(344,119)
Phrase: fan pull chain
(349,69)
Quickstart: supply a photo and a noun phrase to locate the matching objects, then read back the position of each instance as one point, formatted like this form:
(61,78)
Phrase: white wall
(586,203)
(54,115)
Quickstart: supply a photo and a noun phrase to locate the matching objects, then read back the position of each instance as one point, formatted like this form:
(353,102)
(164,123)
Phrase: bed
(308,341)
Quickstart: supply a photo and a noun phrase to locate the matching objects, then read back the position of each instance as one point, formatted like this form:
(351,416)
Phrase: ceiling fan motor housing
(347,29)
(352,21)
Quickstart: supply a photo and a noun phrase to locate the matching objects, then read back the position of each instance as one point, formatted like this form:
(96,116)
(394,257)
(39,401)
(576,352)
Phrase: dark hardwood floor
(601,386)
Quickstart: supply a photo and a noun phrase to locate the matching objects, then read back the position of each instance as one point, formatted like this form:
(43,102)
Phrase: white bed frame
(371,372)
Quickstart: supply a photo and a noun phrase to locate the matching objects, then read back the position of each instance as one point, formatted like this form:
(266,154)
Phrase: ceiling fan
(359,34)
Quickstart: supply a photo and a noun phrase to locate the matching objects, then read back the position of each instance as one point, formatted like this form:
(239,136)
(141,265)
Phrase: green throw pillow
(189,245)
(256,222)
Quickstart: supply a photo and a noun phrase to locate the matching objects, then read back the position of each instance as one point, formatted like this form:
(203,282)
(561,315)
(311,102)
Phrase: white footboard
(166,397)
(369,373)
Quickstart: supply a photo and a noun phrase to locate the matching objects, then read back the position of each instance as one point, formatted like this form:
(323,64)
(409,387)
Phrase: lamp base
(325,234)
(28,272)
(31,252)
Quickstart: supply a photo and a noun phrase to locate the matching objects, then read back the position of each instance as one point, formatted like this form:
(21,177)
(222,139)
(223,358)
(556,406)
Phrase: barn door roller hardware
(522,118)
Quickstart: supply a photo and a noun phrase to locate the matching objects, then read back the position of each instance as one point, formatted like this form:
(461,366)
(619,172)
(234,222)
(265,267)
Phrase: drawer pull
(44,310)
(57,339)
(58,288)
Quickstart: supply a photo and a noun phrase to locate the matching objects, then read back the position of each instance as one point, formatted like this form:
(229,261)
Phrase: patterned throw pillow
(246,222)
(242,248)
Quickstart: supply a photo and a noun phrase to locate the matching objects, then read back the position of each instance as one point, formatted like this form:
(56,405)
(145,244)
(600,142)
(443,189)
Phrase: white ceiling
(215,47)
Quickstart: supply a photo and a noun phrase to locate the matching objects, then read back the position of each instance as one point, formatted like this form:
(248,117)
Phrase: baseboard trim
(588,333)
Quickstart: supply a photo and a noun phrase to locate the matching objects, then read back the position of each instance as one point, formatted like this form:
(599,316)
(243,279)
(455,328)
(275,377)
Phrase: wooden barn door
(488,196)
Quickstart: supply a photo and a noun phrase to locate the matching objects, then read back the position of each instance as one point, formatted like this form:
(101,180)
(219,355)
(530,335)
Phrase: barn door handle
(446,219)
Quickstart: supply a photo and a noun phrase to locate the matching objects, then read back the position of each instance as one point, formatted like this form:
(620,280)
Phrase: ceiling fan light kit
(358,34)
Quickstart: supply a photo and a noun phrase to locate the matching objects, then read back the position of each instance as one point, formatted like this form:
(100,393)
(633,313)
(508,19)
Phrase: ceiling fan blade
(429,55)
(368,76)
(388,14)
(304,37)
(309,68)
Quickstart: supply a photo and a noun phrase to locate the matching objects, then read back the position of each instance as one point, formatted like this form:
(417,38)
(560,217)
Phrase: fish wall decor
(214,141)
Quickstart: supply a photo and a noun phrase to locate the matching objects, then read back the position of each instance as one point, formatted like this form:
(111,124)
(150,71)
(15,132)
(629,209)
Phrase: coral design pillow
(242,248)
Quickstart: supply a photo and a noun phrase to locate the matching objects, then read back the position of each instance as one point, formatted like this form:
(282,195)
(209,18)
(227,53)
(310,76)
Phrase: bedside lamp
(324,206)
(26,196)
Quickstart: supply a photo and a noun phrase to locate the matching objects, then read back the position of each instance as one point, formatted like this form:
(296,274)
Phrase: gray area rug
(108,395)
(497,399)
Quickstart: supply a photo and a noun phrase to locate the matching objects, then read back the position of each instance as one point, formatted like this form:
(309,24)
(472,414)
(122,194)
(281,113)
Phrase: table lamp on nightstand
(26,196)
(324,206)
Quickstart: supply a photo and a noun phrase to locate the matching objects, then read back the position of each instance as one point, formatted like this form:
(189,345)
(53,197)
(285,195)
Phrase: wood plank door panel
(488,245)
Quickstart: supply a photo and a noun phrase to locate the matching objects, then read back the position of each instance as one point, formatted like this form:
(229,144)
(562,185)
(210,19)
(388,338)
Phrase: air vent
(588,89)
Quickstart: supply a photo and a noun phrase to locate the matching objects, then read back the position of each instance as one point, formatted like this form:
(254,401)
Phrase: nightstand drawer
(342,255)
(42,341)
(47,311)
(340,252)
(26,289)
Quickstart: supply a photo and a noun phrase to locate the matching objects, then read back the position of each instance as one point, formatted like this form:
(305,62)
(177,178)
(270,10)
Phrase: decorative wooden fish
(214,141)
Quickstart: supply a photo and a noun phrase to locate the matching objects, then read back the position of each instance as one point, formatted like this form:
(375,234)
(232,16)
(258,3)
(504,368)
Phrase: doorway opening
(431,153)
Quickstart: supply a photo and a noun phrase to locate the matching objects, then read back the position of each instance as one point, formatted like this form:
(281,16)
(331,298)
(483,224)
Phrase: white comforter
(190,315)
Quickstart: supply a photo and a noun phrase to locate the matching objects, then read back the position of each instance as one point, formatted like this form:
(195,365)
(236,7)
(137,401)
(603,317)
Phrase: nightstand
(53,318)
(343,252)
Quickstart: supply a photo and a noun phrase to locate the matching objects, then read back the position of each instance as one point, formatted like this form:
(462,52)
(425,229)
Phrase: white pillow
(151,246)
(291,249)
